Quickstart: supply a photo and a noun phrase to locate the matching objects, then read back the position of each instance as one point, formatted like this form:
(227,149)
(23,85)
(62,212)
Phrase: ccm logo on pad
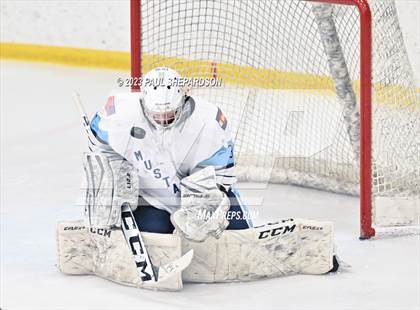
(276,231)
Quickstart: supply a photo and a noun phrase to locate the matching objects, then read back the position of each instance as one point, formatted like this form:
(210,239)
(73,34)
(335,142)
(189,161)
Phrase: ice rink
(41,170)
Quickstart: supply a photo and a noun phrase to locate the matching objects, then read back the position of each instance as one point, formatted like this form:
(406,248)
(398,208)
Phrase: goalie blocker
(294,246)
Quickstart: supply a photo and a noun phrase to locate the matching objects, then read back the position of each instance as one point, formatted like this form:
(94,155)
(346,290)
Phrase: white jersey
(163,157)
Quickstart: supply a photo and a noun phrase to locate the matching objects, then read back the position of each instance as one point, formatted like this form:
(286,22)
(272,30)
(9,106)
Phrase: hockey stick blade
(173,268)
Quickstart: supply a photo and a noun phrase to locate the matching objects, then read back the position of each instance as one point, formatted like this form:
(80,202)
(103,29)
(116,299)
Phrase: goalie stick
(145,268)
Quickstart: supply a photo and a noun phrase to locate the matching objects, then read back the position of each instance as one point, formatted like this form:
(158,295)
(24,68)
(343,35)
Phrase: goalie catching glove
(203,207)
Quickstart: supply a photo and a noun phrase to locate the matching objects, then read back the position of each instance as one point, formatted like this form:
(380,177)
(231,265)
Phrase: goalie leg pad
(289,247)
(104,252)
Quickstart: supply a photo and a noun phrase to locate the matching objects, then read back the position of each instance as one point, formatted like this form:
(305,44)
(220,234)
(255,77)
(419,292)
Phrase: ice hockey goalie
(160,181)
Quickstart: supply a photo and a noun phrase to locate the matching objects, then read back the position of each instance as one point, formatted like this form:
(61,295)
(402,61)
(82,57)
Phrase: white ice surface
(41,146)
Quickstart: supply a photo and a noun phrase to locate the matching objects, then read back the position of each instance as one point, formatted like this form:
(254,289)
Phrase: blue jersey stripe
(101,135)
(223,157)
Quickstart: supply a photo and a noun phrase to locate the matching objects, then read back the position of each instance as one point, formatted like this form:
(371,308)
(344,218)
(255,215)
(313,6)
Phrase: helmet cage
(163,119)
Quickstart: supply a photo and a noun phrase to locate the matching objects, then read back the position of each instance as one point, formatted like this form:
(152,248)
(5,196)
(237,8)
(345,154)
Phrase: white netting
(279,95)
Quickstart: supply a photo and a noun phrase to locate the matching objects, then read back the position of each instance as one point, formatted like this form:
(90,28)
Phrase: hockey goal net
(318,93)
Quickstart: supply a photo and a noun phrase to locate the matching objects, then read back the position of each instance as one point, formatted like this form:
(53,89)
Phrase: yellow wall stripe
(230,73)
(66,55)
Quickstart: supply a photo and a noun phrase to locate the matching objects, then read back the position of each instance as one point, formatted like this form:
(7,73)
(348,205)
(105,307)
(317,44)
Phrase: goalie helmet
(162,99)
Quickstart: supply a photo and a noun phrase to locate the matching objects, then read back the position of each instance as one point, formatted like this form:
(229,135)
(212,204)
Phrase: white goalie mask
(162,99)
